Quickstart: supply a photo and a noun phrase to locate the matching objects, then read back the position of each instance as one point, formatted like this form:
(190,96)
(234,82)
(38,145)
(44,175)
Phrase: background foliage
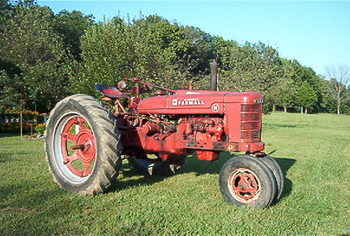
(46,56)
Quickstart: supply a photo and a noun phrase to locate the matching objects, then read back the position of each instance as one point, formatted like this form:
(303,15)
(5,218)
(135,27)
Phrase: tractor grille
(250,116)
(251,122)
(251,108)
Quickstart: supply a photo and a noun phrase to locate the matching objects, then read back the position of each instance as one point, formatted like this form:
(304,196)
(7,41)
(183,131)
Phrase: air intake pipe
(214,75)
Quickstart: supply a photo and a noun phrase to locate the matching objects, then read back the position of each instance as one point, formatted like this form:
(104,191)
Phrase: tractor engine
(204,122)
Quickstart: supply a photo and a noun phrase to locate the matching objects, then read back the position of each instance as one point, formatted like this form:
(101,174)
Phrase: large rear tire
(246,181)
(82,145)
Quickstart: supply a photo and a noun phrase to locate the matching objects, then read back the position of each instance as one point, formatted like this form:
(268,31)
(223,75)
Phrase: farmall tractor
(86,140)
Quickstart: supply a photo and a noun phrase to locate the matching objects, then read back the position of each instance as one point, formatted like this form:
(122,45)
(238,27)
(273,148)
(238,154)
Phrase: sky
(316,33)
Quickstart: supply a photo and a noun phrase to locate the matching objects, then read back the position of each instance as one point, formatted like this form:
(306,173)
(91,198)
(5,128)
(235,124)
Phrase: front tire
(278,174)
(82,145)
(246,181)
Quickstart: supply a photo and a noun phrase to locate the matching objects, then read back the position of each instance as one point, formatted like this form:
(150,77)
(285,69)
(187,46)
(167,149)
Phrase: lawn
(313,150)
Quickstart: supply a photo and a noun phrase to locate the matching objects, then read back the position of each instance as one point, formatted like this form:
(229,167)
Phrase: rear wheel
(82,145)
(247,181)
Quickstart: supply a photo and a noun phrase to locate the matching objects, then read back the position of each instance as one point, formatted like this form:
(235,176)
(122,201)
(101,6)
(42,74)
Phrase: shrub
(40,128)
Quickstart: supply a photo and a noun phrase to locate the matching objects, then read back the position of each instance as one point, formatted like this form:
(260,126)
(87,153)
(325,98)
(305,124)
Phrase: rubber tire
(108,142)
(277,172)
(265,175)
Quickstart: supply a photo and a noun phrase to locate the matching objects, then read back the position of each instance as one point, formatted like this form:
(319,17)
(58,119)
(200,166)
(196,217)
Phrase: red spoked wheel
(244,185)
(83,145)
(78,146)
(75,148)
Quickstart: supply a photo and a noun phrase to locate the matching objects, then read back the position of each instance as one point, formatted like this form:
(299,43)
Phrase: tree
(198,50)
(283,93)
(306,96)
(5,11)
(29,43)
(340,79)
(71,26)
(248,67)
(150,47)
(10,91)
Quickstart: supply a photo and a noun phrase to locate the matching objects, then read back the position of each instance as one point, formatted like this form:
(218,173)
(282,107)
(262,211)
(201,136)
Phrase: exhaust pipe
(214,75)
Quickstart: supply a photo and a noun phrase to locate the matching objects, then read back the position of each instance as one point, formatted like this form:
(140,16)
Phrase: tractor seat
(109,91)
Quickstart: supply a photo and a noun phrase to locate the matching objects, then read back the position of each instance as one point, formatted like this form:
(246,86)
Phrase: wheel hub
(244,185)
(78,145)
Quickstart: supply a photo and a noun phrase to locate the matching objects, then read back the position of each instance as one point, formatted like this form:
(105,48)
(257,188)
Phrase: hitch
(258,154)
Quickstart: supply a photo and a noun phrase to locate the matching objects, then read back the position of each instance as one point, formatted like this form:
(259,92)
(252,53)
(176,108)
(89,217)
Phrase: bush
(40,128)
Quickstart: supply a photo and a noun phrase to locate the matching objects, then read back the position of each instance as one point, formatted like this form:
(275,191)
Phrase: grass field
(313,150)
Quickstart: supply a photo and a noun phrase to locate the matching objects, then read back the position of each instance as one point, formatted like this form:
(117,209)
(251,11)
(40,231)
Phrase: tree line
(46,56)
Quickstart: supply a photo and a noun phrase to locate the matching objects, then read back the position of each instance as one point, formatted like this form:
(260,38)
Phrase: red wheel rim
(78,146)
(244,185)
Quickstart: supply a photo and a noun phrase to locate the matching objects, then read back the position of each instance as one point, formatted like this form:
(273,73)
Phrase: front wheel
(245,180)
(82,145)
(278,174)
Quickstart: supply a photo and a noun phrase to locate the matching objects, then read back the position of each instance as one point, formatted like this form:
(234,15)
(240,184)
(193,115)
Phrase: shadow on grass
(139,179)
(6,135)
(193,165)
(273,126)
(202,167)
(286,164)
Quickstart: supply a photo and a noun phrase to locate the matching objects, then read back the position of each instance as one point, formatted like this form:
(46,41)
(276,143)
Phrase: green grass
(313,150)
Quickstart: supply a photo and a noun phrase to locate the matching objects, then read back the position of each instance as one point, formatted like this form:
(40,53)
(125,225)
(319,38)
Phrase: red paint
(78,144)
(244,184)
(207,155)
(187,121)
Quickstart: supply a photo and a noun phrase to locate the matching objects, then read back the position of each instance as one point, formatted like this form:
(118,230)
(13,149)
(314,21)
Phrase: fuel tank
(196,102)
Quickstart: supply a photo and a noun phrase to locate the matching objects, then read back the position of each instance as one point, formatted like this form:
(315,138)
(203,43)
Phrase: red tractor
(86,140)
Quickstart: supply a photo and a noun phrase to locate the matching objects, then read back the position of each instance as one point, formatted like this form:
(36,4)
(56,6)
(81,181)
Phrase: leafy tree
(71,25)
(328,102)
(106,56)
(5,12)
(248,67)
(340,79)
(150,47)
(306,96)
(29,42)
(198,51)
(307,74)
(10,91)
(284,93)
(159,47)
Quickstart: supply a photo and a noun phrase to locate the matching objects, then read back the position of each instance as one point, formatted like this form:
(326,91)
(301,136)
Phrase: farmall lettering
(187,102)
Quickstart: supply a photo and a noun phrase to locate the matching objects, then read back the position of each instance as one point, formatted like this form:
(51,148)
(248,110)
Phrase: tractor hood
(196,102)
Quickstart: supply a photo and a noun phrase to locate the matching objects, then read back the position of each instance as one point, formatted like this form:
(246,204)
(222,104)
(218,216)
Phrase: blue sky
(316,33)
